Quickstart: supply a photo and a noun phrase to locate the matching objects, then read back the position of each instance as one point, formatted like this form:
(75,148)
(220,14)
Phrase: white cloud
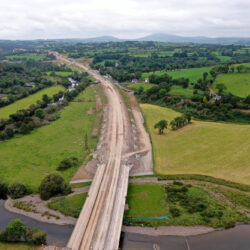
(31,19)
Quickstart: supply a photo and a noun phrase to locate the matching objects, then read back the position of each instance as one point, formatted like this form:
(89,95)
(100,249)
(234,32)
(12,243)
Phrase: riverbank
(40,210)
(230,239)
(56,234)
(168,230)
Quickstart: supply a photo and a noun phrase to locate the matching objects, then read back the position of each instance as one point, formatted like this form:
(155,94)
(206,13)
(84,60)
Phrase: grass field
(178,90)
(146,200)
(224,58)
(69,206)
(175,89)
(27,101)
(237,83)
(31,157)
(60,73)
(193,73)
(206,148)
(17,246)
(27,56)
(145,86)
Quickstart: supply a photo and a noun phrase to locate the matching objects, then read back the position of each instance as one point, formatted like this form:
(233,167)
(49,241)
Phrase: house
(216,97)
(134,81)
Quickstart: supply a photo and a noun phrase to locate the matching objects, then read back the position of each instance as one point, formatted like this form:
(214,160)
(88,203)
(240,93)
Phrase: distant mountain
(99,39)
(160,37)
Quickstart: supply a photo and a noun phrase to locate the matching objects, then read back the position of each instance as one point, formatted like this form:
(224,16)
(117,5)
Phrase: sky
(47,19)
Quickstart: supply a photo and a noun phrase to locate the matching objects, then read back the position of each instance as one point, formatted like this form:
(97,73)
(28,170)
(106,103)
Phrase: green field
(60,73)
(180,91)
(31,157)
(27,101)
(193,74)
(237,83)
(206,148)
(146,200)
(28,56)
(145,86)
(69,206)
(224,58)
(17,246)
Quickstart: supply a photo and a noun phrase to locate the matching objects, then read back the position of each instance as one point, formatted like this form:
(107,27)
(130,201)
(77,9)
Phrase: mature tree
(3,190)
(52,185)
(221,87)
(40,113)
(161,125)
(205,74)
(46,99)
(14,231)
(17,190)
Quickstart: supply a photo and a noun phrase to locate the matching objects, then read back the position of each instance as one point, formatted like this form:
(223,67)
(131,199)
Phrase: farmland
(29,158)
(238,83)
(60,73)
(27,101)
(28,56)
(145,86)
(205,148)
(193,74)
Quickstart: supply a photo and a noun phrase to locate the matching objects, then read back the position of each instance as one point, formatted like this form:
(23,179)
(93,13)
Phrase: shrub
(67,163)
(40,113)
(24,129)
(35,236)
(3,190)
(14,231)
(175,211)
(17,190)
(52,185)
(9,132)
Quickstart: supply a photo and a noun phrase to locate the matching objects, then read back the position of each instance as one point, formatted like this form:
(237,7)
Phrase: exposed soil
(169,230)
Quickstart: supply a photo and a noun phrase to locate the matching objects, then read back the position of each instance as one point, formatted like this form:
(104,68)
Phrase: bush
(3,190)
(67,163)
(35,236)
(40,113)
(17,231)
(17,190)
(14,231)
(175,211)
(52,185)
(9,132)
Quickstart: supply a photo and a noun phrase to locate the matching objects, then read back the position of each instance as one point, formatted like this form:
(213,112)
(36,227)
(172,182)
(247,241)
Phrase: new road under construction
(99,224)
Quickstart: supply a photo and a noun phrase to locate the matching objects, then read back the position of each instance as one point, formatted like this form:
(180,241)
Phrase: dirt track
(100,221)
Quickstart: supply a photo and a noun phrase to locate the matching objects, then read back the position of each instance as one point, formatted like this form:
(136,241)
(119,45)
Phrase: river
(237,238)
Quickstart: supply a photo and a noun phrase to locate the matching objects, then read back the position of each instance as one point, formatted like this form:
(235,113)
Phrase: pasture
(145,86)
(29,100)
(193,74)
(237,83)
(206,148)
(27,56)
(60,73)
(30,158)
